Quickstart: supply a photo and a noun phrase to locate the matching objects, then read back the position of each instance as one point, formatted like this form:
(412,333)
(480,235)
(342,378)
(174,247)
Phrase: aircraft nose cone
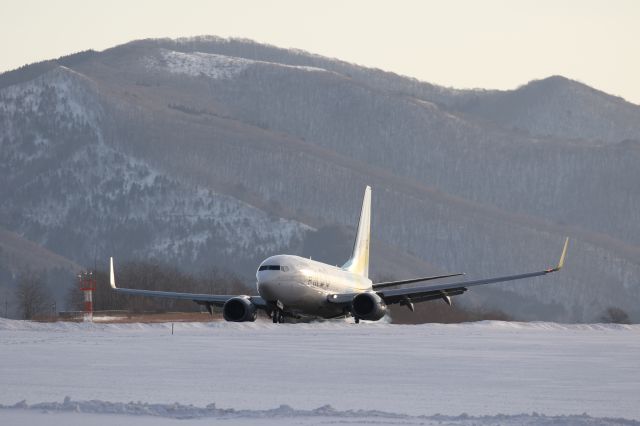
(267,287)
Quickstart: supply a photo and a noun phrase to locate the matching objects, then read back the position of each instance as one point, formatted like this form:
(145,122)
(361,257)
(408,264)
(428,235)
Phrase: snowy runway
(479,369)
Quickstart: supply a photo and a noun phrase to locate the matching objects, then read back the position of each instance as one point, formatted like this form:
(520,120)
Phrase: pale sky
(493,44)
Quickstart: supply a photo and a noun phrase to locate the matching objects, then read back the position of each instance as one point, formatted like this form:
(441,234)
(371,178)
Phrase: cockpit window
(269,268)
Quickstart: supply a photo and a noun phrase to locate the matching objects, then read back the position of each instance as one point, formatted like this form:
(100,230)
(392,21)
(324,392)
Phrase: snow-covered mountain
(557,106)
(198,150)
(75,193)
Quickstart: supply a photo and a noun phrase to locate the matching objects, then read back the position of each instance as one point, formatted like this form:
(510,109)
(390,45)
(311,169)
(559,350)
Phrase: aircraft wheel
(274,317)
(357,320)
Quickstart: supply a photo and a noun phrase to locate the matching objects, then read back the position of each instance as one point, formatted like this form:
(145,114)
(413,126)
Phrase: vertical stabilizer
(359,262)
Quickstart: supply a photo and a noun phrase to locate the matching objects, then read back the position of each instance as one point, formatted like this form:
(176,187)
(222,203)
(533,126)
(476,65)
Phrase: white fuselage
(302,285)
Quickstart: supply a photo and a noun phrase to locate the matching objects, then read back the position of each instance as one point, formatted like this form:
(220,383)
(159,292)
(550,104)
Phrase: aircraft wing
(385,284)
(203,299)
(443,291)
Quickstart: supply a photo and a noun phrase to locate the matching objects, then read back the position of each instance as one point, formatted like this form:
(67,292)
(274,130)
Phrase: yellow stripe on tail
(359,262)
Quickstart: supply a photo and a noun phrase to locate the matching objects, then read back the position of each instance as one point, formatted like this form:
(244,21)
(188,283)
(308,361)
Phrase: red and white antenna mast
(87,286)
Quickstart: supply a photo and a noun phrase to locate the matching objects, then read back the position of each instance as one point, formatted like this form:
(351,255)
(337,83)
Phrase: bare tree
(616,316)
(75,298)
(32,296)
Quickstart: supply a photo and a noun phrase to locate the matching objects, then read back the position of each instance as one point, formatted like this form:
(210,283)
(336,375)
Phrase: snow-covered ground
(335,372)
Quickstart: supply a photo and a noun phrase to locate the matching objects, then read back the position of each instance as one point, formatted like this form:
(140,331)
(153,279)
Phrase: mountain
(557,106)
(209,151)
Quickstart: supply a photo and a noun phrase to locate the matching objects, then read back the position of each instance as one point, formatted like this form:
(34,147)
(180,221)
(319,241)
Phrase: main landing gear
(277,316)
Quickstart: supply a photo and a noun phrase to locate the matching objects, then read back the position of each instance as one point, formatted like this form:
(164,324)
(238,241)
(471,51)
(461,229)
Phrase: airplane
(293,287)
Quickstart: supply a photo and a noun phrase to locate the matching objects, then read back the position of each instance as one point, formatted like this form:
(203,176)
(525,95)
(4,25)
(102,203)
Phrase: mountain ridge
(280,151)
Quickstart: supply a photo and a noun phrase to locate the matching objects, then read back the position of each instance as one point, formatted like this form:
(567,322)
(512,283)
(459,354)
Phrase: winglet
(562,256)
(112,276)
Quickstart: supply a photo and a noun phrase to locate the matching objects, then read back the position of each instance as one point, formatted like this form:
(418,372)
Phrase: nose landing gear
(277,315)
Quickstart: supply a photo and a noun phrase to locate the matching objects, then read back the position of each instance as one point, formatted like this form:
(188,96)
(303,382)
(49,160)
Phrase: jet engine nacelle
(368,306)
(239,309)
